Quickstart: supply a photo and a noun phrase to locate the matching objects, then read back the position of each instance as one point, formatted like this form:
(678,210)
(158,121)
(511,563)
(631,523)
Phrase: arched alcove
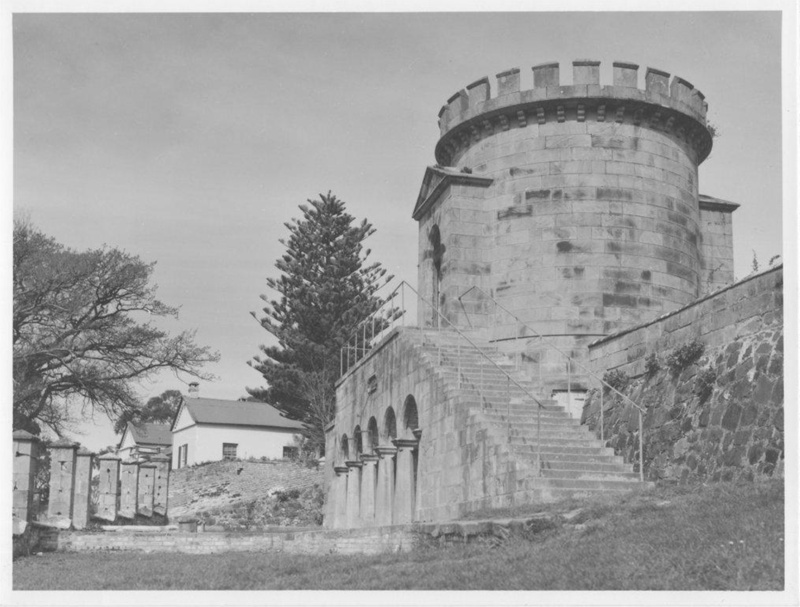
(344,448)
(410,416)
(372,433)
(389,425)
(357,445)
(437,254)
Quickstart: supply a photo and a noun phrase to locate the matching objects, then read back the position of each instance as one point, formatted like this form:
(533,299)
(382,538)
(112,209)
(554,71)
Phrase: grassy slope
(719,537)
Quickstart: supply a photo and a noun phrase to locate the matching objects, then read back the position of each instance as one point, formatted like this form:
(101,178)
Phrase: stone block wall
(350,541)
(455,242)
(721,417)
(716,243)
(588,218)
(457,465)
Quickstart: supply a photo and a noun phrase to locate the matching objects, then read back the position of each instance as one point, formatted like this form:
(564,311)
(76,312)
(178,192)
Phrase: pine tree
(325,289)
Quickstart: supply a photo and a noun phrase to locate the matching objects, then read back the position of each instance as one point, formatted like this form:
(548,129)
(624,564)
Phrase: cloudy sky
(190,139)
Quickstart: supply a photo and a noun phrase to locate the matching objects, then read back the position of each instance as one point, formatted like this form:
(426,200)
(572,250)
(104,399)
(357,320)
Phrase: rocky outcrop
(246,494)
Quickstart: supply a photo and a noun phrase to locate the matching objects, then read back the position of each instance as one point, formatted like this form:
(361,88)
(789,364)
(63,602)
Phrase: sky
(191,139)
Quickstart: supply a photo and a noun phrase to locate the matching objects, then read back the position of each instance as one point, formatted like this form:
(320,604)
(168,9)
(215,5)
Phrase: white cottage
(142,440)
(209,429)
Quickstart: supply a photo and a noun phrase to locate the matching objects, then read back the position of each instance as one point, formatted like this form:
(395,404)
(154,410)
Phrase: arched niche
(389,426)
(373,436)
(410,416)
(437,255)
(358,447)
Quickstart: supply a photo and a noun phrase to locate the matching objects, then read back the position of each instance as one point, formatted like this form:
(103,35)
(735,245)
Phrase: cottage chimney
(194,389)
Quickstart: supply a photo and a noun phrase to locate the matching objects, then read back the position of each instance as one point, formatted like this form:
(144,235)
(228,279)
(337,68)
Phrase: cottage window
(289,452)
(229,450)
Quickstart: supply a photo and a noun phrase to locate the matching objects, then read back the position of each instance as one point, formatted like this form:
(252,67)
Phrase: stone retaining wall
(377,540)
(719,417)
(719,319)
(354,541)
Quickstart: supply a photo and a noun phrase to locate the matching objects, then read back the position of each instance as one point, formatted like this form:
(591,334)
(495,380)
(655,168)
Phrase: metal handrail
(509,378)
(467,339)
(550,344)
(641,410)
(361,327)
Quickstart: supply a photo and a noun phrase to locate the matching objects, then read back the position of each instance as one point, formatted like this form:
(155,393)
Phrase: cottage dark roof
(237,413)
(151,434)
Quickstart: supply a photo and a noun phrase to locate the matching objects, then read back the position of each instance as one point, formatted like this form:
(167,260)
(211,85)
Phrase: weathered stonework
(26,448)
(555,216)
(83,489)
(736,429)
(352,541)
(443,448)
(580,212)
(62,483)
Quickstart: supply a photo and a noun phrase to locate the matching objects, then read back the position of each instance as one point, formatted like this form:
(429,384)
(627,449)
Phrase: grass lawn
(717,537)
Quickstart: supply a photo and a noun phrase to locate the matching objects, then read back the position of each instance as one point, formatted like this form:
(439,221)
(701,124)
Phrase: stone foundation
(353,541)
(720,417)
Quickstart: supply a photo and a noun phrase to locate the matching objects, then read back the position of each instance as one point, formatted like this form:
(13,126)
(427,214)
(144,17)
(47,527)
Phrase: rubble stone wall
(719,417)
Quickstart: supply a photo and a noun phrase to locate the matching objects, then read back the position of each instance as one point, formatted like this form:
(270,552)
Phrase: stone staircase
(573,461)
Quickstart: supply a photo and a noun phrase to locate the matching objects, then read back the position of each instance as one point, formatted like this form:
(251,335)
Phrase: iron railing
(569,364)
(393,312)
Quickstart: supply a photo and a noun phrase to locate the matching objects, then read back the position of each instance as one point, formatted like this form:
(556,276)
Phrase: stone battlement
(672,106)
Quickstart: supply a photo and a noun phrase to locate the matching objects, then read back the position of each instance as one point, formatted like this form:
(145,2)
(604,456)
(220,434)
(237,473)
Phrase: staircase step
(531,417)
(554,455)
(574,483)
(556,441)
(582,474)
(553,494)
(566,465)
(561,446)
(548,456)
(568,433)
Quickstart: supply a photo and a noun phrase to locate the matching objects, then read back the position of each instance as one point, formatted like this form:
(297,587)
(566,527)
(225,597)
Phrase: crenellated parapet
(672,106)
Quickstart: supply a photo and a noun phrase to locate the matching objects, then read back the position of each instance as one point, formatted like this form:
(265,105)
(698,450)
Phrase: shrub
(651,364)
(704,383)
(616,379)
(682,357)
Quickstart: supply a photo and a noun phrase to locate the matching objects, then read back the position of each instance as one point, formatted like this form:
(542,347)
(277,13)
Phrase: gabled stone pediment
(437,179)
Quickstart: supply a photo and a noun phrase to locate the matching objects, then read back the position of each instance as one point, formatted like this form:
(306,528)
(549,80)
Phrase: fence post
(402,301)
(458,355)
(641,448)
(539,440)
(160,498)
(83,488)
(483,387)
(26,450)
(147,488)
(62,483)
(569,385)
(508,407)
(602,391)
(108,488)
(129,485)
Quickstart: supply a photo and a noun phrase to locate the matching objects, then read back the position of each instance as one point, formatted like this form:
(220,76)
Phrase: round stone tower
(574,206)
